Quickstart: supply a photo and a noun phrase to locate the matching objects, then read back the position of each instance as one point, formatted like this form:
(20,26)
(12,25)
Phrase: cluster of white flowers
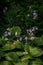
(35,15)
(7,33)
(5,9)
(30,31)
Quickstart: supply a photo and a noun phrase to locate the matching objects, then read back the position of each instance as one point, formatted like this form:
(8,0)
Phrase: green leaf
(36,62)
(2,41)
(14,30)
(22,63)
(39,40)
(12,56)
(15,44)
(5,63)
(34,51)
(1,54)
(26,57)
(19,53)
(26,48)
(19,45)
(8,47)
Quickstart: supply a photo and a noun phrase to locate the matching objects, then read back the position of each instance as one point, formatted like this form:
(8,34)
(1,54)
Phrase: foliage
(21,32)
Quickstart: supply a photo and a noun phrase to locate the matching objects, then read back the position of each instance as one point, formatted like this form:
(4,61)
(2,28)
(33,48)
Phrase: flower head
(6,39)
(9,33)
(5,9)
(20,39)
(5,34)
(16,33)
(35,14)
(8,29)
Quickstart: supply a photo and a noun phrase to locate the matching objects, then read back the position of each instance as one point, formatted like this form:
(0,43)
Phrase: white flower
(33,29)
(6,39)
(5,34)
(30,30)
(35,14)
(17,40)
(36,28)
(16,33)
(5,9)
(26,38)
(35,17)
(29,33)
(20,39)
(8,29)
(27,30)
(25,53)
(32,34)
(28,15)
(9,33)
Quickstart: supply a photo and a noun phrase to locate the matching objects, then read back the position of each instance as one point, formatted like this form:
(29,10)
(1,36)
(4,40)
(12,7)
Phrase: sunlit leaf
(39,40)
(26,57)
(22,63)
(34,51)
(5,63)
(36,62)
(15,30)
(12,56)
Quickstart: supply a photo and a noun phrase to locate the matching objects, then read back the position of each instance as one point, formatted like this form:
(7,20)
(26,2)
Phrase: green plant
(21,32)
